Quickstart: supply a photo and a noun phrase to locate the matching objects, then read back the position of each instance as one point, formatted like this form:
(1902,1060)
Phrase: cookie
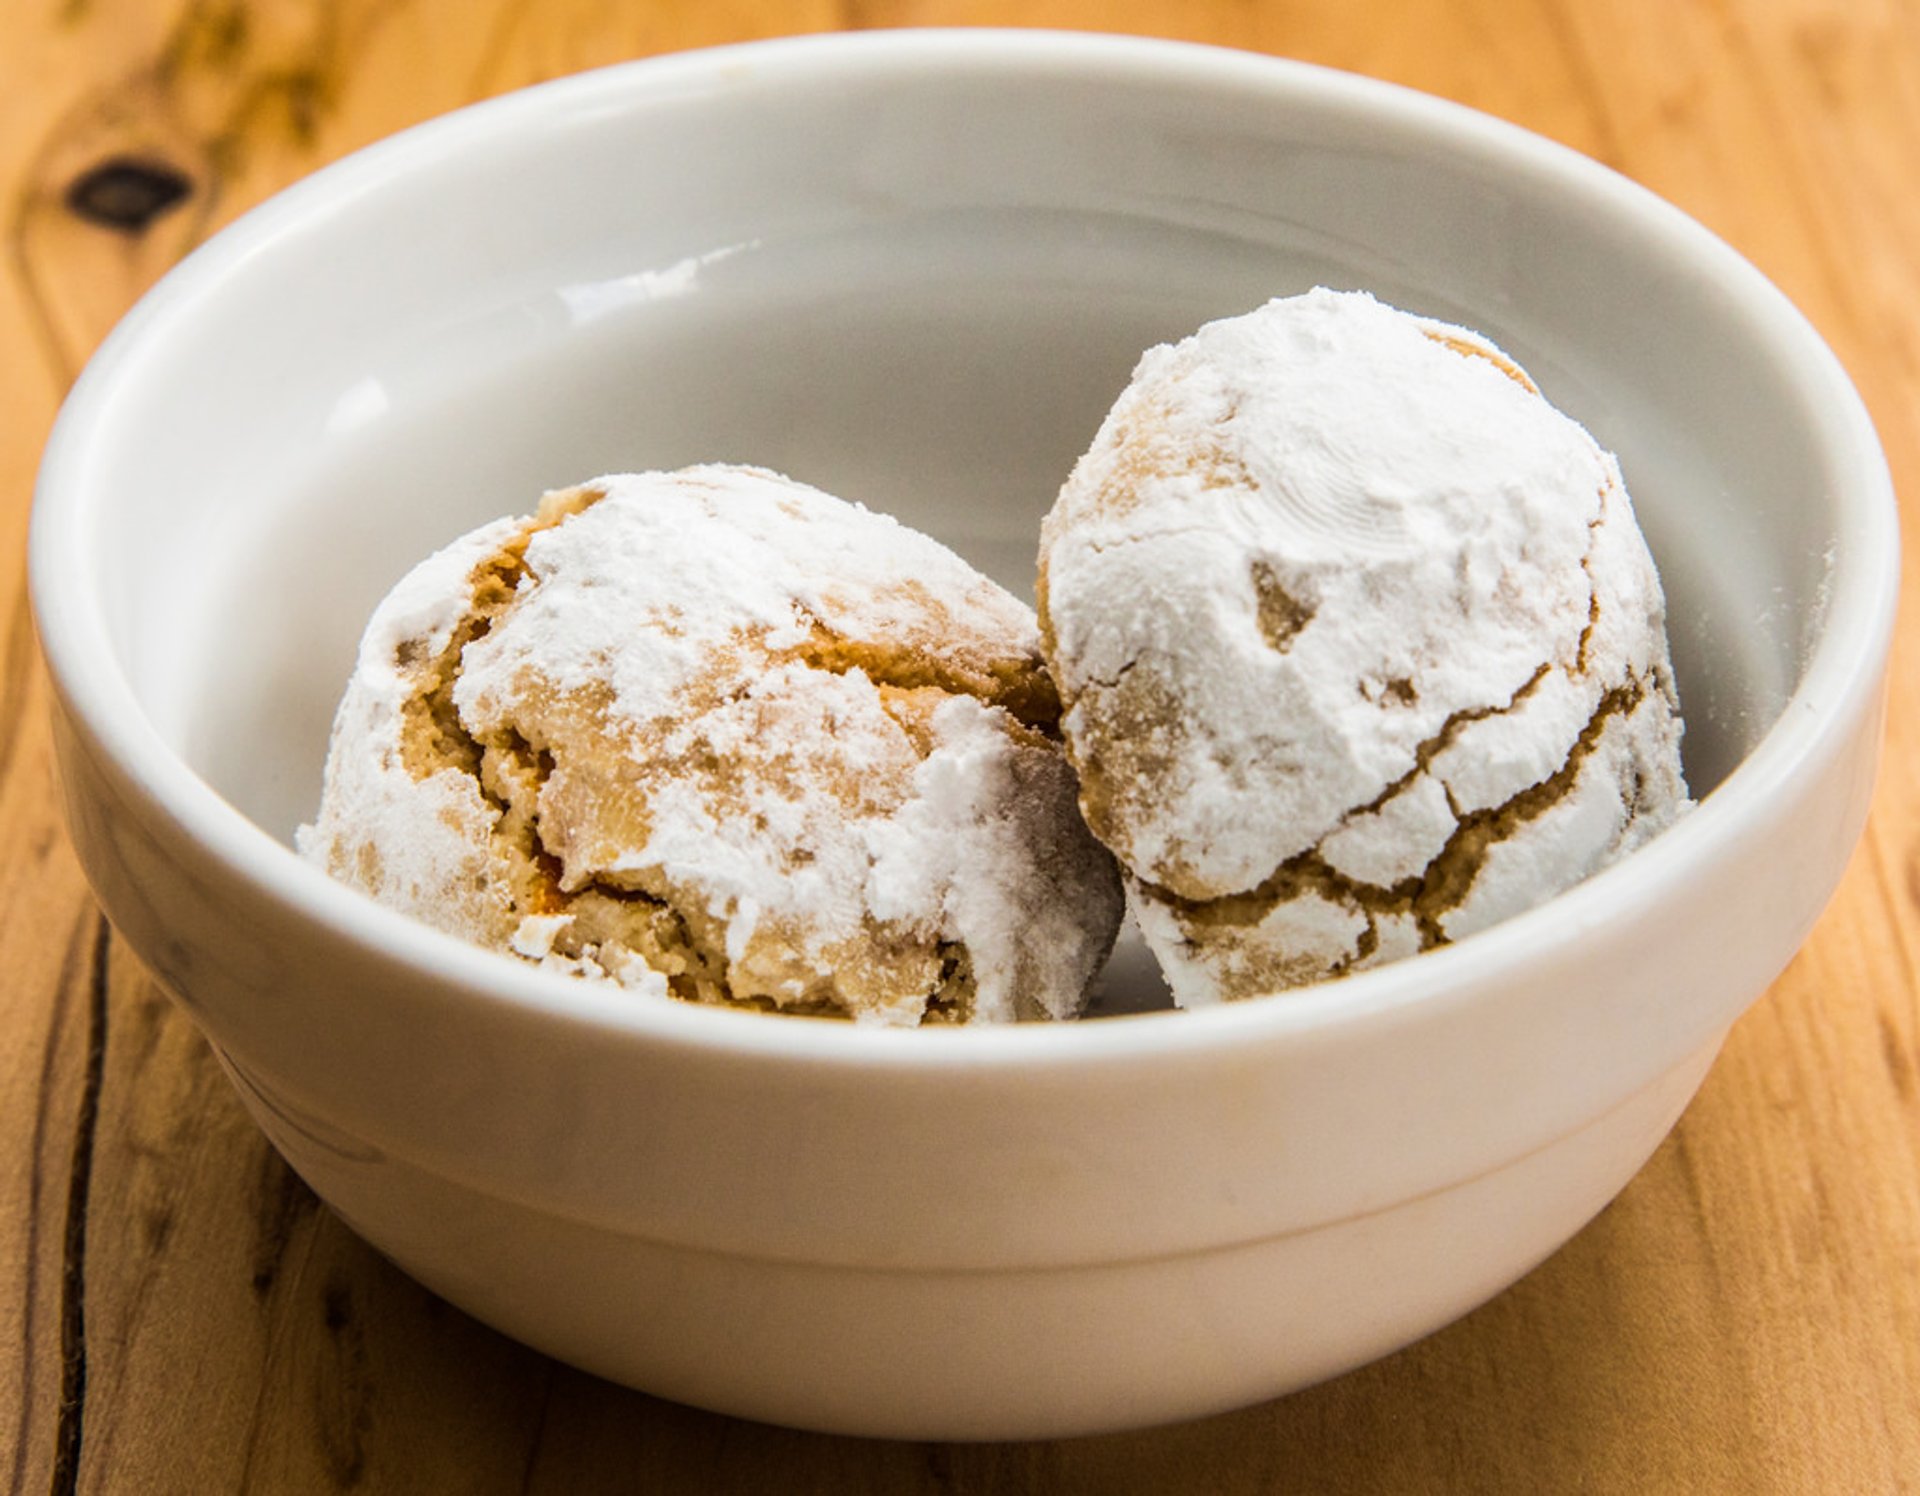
(718,736)
(1359,645)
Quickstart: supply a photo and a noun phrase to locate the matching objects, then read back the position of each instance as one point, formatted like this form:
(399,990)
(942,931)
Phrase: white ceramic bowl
(914,269)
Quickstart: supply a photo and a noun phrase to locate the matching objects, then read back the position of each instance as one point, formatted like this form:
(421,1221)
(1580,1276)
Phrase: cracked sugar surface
(718,736)
(1383,662)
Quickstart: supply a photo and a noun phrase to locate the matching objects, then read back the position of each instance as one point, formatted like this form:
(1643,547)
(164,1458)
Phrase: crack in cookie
(1426,898)
(1019,685)
(1448,733)
(509,772)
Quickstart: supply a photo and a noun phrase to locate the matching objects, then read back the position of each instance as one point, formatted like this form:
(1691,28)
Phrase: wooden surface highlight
(178,1314)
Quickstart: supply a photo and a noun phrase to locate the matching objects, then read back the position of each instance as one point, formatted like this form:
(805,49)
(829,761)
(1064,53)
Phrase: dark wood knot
(125,194)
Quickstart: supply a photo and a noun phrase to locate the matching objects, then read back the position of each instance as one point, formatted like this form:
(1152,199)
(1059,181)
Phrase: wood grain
(177,1314)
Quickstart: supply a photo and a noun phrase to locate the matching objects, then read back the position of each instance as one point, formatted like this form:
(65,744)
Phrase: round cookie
(717,735)
(1359,644)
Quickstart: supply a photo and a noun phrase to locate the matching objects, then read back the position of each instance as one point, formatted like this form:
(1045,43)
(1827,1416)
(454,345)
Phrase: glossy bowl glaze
(914,269)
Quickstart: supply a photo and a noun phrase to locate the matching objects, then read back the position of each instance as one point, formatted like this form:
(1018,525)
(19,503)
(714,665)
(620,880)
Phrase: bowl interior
(914,276)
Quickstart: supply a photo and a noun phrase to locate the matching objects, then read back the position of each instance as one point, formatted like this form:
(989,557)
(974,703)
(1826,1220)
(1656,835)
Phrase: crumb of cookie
(1359,645)
(718,736)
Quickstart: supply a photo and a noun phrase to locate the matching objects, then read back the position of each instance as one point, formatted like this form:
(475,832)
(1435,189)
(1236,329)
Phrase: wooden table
(178,1314)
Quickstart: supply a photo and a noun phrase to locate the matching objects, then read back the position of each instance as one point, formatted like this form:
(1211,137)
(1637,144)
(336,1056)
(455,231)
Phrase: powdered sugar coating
(434,860)
(720,733)
(1360,645)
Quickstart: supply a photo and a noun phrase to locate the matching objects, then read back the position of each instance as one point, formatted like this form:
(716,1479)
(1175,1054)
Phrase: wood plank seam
(70,1426)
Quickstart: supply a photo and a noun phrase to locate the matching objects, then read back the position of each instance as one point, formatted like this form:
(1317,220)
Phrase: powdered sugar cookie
(718,735)
(1359,643)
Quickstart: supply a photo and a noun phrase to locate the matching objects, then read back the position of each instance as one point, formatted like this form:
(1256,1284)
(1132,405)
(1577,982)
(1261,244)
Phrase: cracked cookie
(1359,645)
(718,736)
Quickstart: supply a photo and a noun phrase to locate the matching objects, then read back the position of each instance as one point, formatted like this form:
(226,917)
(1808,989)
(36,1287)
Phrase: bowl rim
(1839,687)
